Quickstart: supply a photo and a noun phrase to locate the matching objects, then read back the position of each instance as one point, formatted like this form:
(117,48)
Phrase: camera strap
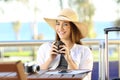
(63,63)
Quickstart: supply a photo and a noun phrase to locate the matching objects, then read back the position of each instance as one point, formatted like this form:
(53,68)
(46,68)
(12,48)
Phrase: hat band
(62,17)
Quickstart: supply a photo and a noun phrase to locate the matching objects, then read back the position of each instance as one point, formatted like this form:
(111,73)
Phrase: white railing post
(101,60)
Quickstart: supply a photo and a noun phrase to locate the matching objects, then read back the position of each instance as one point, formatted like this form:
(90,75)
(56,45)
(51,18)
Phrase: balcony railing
(39,42)
(93,43)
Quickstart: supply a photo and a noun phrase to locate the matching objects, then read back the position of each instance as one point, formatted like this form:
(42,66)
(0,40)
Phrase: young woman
(70,31)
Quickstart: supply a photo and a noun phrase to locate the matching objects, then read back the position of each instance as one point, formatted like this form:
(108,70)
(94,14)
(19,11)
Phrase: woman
(68,30)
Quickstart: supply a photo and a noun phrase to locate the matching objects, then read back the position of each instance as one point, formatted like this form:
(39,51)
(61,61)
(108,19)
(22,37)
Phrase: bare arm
(71,63)
(68,57)
(46,64)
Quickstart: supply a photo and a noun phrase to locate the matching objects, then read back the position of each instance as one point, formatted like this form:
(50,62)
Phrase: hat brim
(81,27)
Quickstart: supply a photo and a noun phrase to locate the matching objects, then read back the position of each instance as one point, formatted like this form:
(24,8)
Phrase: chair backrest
(13,67)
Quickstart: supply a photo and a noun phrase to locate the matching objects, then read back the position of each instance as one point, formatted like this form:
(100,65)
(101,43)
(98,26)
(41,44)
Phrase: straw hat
(68,14)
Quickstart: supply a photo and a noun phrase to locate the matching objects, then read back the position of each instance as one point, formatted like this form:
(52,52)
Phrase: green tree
(61,4)
(34,25)
(16,24)
(35,9)
(16,27)
(86,11)
(118,1)
(117,22)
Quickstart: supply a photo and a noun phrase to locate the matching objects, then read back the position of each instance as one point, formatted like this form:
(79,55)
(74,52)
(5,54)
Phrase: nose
(61,27)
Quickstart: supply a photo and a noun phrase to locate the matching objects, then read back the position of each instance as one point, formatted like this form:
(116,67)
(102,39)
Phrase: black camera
(31,68)
(58,43)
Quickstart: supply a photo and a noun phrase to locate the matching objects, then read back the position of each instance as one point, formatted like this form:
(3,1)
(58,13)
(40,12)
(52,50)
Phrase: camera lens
(36,68)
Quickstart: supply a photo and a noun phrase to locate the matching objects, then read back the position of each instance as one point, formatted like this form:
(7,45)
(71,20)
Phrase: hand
(68,57)
(53,51)
(64,50)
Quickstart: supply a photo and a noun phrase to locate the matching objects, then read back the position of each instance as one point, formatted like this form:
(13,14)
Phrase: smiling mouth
(61,33)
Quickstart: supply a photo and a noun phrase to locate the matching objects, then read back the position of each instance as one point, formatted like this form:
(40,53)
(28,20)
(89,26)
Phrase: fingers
(54,49)
(62,49)
(54,46)
(59,50)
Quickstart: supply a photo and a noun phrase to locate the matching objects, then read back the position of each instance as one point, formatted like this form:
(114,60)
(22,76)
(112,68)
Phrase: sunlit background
(22,20)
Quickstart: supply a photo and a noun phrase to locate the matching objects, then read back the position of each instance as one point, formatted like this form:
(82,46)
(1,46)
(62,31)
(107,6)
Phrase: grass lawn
(24,56)
(21,53)
(112,57)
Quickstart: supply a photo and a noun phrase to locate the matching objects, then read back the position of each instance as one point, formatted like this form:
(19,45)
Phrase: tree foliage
(117,21)
(86,10)
(16,27)
(118,1)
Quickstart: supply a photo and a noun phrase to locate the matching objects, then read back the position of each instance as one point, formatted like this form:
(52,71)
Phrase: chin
(63,38)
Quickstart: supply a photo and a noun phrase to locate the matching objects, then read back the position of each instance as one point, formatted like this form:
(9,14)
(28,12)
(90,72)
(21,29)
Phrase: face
(63,29)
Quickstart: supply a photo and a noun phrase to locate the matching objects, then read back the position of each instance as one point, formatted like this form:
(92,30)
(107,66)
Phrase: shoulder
(84,51)
(81,47)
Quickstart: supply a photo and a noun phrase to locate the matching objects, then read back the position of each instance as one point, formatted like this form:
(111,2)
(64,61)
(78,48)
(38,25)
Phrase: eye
(66,24)
(57,23)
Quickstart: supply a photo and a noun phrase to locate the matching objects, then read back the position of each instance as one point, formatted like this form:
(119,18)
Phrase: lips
(61,33)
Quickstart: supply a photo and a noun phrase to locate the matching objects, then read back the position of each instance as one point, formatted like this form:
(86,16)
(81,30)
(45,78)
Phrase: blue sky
(7,33)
